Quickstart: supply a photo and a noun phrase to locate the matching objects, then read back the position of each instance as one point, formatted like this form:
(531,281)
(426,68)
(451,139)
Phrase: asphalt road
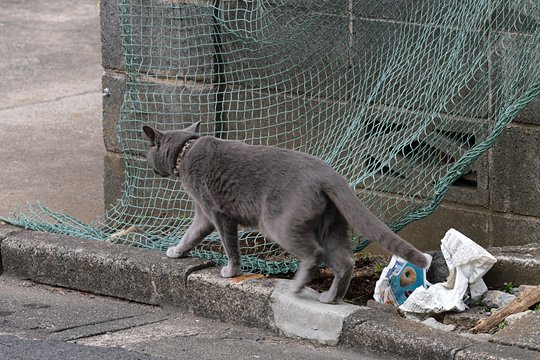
(44,322)
(51,145)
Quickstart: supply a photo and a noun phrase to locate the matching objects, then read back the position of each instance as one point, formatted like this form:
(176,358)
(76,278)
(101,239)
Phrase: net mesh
(400,97)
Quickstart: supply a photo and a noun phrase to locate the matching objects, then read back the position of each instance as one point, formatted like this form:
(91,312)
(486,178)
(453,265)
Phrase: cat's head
(164,147)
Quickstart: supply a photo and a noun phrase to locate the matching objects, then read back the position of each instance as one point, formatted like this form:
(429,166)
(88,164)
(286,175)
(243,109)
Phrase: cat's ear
(151,134)
(194,128)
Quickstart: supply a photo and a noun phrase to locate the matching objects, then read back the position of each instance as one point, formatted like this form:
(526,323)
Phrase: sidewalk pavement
(194,285)
(50,107)
(42,322)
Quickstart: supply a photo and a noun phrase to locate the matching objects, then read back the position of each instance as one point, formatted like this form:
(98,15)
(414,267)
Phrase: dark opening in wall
(469,180)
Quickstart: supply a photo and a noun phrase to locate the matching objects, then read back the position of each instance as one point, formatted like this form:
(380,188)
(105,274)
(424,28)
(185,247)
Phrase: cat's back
(246,181)
(266,157)
(237,157)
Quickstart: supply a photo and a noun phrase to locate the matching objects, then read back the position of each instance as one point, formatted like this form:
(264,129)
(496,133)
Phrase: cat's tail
(369,225)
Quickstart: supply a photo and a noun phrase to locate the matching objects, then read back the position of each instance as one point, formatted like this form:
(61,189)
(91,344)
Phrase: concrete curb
(98,267)
(193,284)
(521,262)
(304,316)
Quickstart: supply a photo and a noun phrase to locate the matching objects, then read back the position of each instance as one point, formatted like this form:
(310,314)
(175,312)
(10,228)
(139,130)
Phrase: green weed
(508,287)
(379,268)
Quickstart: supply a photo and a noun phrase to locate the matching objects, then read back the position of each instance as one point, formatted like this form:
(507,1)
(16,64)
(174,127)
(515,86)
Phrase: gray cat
(293,198)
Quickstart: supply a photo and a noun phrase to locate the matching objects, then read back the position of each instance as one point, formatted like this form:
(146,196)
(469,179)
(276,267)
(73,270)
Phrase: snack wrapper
(467,262)
(405,285)
(398,281)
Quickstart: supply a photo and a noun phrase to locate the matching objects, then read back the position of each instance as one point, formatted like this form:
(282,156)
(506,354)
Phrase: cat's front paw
(174,252)
(230,271)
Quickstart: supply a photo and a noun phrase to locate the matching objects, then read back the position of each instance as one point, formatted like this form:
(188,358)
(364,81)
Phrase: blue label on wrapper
(404,278)
(398,280)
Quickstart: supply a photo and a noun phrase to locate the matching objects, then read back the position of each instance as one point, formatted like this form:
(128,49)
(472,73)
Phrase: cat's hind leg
(309,264)
(305,247)
(197,231)
(339,258)
(228,232)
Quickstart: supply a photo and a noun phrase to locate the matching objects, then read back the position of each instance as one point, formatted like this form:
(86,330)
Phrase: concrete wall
(500,207)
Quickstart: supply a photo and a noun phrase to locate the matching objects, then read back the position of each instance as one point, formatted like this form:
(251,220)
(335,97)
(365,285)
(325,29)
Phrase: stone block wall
(113,83)
(497,205)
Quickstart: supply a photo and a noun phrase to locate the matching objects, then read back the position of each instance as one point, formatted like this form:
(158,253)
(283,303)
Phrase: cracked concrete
(43,322)
(41,102)
(63,313)
(50,107)
(149,277)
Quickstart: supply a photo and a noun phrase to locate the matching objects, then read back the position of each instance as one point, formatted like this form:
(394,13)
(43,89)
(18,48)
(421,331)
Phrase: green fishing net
(399,96)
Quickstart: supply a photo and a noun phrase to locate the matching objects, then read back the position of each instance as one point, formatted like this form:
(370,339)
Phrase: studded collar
(182,154)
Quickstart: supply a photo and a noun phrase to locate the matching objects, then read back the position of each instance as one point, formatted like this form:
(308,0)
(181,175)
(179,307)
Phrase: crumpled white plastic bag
(468,262)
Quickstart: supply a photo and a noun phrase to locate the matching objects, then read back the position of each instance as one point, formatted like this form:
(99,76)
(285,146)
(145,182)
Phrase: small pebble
(431,322)
(511,319)
(497,299)
(519,289)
